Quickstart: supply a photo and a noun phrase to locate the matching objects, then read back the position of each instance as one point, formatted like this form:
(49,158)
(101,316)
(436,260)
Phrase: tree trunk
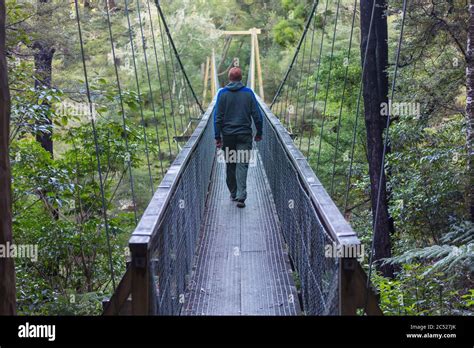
(375,92)
(43,57)
(470,111)
(7,267)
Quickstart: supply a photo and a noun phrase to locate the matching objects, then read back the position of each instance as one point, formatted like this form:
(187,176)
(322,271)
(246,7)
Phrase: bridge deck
(241,266)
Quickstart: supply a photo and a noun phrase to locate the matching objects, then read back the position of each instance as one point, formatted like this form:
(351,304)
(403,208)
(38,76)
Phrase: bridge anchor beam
(140,282)
(353,290)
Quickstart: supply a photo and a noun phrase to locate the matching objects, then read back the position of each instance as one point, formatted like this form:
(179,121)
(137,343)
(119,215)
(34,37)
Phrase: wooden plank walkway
(241,266)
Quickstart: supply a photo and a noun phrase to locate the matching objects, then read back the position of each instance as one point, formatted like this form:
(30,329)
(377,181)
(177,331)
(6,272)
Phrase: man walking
(235,109)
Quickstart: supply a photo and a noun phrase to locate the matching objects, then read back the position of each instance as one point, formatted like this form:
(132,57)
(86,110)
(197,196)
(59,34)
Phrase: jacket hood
(235,86)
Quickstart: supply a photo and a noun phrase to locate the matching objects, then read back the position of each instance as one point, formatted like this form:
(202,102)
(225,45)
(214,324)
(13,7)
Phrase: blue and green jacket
(236,107)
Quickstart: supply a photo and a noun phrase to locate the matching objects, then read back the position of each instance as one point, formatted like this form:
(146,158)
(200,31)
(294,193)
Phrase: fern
(456,252)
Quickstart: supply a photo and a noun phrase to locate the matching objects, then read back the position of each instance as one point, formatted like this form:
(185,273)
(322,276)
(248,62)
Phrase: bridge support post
(347,288)
(353,290)
(140,285)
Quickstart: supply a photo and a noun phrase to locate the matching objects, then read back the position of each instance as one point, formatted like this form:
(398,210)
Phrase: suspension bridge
(192,252)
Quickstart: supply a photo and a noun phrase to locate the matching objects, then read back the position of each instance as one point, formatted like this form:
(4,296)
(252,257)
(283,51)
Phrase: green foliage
(57,200)
(432,193)
(417,291)
(432,280)
(31,111)
(73,254)
(455,255)
(287,31)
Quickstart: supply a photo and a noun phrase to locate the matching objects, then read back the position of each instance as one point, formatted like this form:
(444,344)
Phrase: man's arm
(257,116)
(218,116)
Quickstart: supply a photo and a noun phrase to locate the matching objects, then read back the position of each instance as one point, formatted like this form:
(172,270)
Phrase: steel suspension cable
(124,121)
(289,106)
(162,94)
(344,86)
(78,183)
(188,107)
(307,83)
(137,83)
(97,151)
(299,81)
(278,108)
(168,79)
(194,109)
(327,86)
(285,109)
(183,84)
(175,86)
(182,89)
(316,83)
(176,53)
(152,102)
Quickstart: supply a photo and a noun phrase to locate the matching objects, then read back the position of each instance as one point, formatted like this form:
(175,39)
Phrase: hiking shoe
(232,198)
(240,204)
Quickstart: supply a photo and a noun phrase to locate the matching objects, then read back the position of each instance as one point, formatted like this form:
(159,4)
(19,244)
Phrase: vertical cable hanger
(289,102)
(137,83)
(122,109)
(170,90)
(298,86)
(316,84)
(97,151)
(285,105)
(176,89)
(176,54)
(344,86)
(307,83)
(327,85)
(160,81)
(150,89)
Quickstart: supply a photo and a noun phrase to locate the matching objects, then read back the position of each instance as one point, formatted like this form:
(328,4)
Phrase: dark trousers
(237,152)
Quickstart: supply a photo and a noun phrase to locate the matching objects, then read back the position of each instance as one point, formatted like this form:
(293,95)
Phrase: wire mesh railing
(311,223)
(164,242)
(173,249)
(302,229)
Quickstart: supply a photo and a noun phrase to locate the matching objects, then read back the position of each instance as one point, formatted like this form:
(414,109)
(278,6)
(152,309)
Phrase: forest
(425,247)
